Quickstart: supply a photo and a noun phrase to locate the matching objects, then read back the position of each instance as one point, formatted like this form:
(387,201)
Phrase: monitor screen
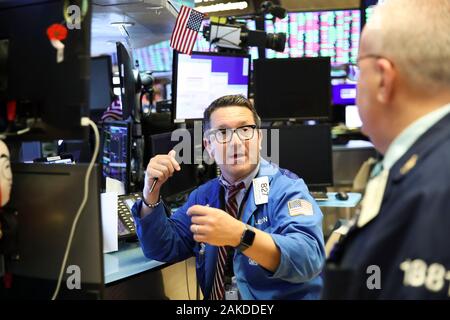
(116,151)
(187,178)
(344,94)
(306,151)
(47,198)
(352,118)
(201,78)
(101,83)
(127,81)
(50,91)
(333,34)
(293,88)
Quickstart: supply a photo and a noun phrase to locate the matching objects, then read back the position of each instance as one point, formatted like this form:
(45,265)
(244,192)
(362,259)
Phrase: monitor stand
(319,193)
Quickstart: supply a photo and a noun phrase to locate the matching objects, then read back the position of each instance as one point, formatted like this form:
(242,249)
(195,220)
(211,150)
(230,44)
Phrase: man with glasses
(255,231)
(398,245)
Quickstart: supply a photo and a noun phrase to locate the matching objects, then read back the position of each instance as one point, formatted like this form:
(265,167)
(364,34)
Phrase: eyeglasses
(353,68)
(225,135)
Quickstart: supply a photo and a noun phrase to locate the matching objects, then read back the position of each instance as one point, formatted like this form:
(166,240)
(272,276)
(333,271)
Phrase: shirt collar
(247,180)
(411,134)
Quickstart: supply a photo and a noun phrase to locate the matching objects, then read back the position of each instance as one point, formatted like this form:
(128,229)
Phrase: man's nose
(235,140)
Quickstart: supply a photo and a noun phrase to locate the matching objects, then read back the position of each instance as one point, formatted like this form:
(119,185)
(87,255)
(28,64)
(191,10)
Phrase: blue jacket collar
(216,195)
(420,149)
(266,169)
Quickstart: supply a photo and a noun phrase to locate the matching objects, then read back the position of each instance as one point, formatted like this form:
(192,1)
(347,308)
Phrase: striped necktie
(231,207)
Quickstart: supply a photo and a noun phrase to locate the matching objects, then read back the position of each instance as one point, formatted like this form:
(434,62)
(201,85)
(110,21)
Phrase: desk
(351,202)
(130,275)
(127,262)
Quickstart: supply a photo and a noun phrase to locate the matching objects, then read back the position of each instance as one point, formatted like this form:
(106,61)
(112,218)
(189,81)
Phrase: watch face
(248,238)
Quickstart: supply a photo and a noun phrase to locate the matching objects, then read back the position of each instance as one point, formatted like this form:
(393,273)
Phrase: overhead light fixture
(223,7)
(122,24)
(154,8)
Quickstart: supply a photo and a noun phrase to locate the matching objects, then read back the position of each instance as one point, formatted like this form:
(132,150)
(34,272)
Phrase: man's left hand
(215,226)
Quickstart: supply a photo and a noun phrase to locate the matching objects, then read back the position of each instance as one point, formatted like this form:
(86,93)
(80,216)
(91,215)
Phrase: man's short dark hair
(228,101)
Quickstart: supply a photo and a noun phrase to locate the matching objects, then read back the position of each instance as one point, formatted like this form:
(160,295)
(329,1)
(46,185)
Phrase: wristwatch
(247,238)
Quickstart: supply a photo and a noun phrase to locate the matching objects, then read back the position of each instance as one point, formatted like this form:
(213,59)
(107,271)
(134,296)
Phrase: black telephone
(127,229)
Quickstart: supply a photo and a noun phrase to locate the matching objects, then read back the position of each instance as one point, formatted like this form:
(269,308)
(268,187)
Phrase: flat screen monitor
(47,198)
(101,83)
(293,88)
(344,94)
(116,152)
(50,94)
(127,81)
(352,118)
(331,33)
(185,179)
(306,150)
(201,78)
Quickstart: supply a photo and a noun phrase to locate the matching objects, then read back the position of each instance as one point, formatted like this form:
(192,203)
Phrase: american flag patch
(299,206)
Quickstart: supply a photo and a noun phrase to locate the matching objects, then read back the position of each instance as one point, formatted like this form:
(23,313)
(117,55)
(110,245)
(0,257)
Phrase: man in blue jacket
(398,246)
(256,227)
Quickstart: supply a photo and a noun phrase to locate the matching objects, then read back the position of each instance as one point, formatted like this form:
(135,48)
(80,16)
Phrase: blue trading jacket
(299,238)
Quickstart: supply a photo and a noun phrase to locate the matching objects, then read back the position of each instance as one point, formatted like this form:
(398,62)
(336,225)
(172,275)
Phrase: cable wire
(80,209)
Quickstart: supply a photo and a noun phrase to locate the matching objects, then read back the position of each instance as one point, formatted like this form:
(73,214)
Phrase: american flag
(300,206)
(186,28)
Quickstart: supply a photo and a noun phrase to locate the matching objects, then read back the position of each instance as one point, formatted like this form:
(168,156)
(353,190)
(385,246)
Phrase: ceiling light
(122,24)
(223,7)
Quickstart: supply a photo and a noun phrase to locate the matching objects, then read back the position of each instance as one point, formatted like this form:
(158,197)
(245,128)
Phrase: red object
(7,280)
(11,107)
(186,29)
(57,32)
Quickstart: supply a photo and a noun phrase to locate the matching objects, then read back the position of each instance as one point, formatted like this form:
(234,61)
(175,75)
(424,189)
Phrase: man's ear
(260,137)
(388,76)
(208,147)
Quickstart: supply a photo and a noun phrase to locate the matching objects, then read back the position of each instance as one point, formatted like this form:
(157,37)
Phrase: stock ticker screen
(116,151)
(333,34)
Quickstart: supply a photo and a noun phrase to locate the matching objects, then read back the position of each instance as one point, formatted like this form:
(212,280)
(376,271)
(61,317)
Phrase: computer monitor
(202,77)
(47,198)
(293,88)
(332,33)
(127,81)
(352,118)
(344,94)
(116,152)
(101,83)
(306,150)
(185,179)
(48,96)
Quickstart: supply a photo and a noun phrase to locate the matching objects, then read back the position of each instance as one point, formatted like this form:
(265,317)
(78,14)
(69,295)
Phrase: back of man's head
(415,35)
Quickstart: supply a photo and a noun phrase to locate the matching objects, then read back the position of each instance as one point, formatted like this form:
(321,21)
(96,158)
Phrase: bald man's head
(415,35)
